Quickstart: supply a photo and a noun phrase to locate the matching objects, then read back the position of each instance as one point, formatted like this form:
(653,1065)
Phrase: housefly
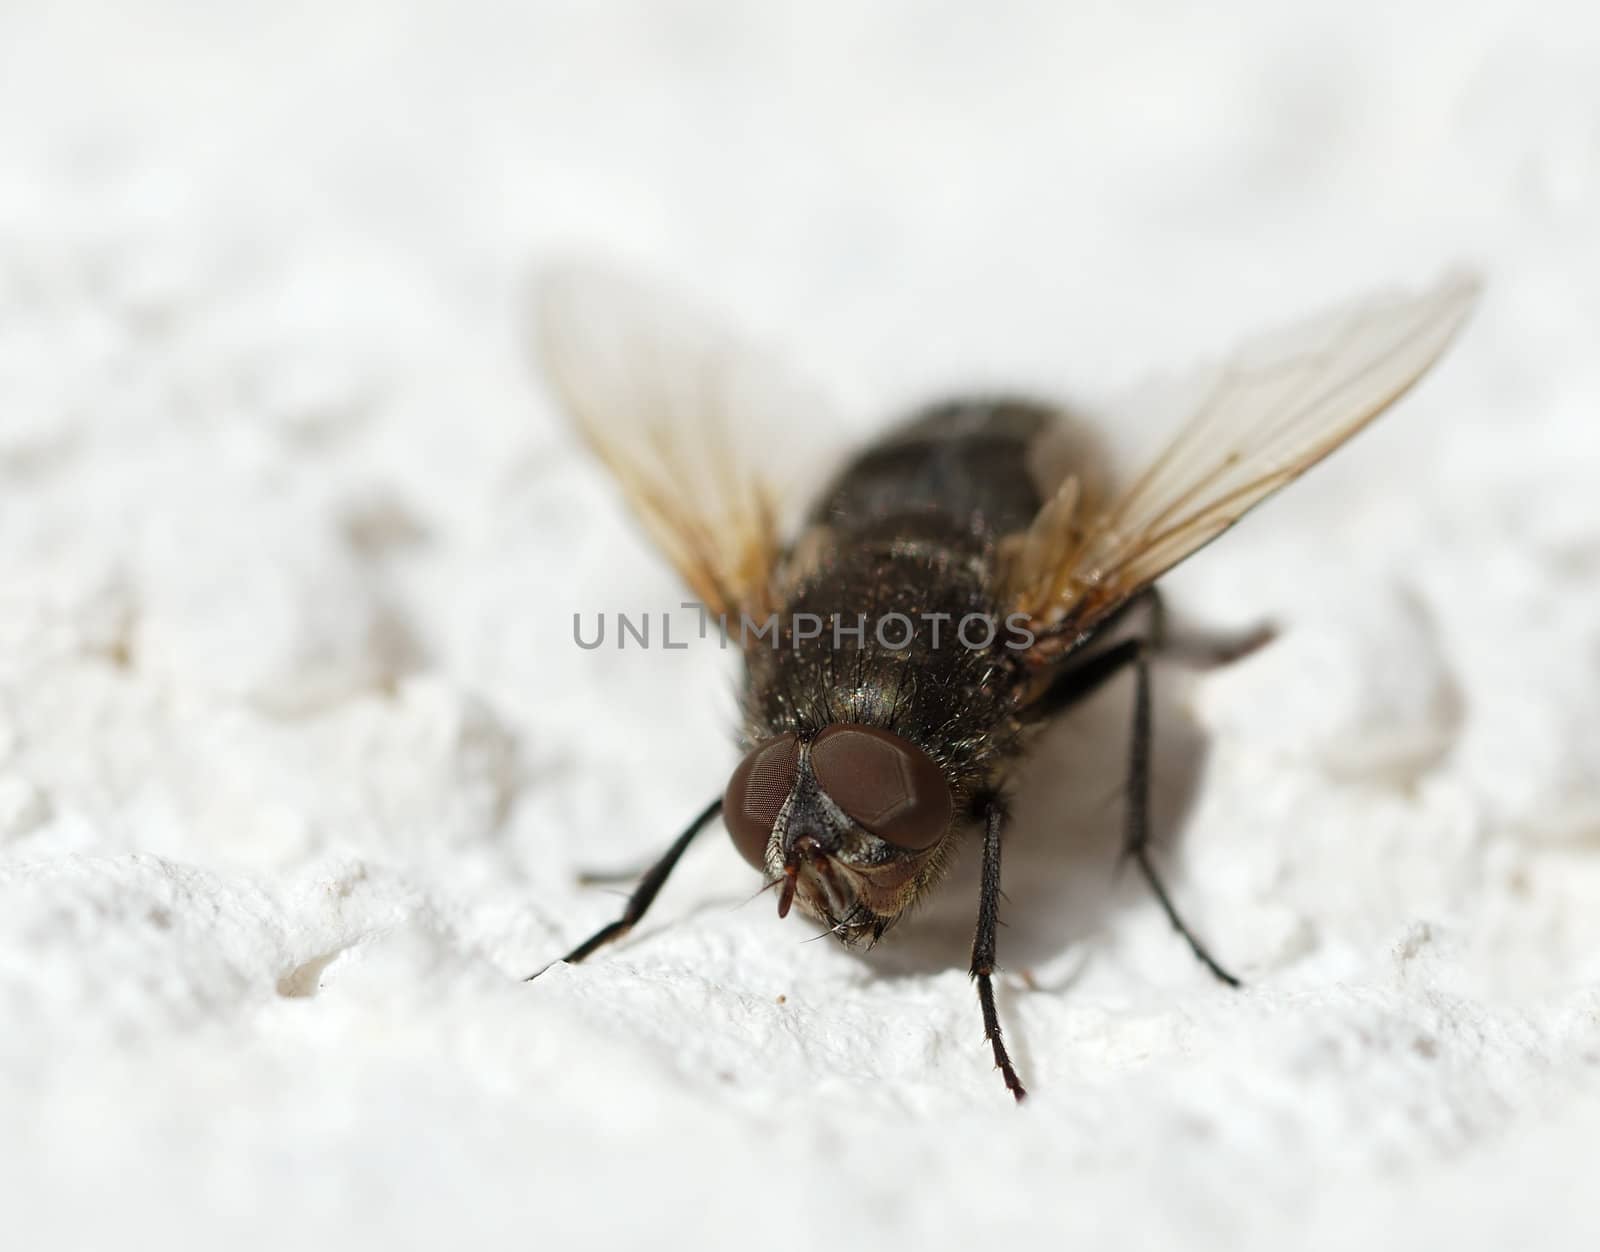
(872,752)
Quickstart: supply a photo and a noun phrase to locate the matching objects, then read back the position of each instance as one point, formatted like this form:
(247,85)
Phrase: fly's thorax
(905,635)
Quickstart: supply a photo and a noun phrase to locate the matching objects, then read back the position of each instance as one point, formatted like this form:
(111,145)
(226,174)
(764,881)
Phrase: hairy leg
(645,893)
(1082,677)
(984,941)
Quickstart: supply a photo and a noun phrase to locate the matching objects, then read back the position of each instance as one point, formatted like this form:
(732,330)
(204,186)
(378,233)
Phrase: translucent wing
(676,409)
(1272,413)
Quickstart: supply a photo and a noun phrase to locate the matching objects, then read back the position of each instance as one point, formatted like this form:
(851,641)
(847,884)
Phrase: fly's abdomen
(963,466)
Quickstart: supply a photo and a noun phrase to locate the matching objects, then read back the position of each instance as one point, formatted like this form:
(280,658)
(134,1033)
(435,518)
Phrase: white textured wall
(297,762)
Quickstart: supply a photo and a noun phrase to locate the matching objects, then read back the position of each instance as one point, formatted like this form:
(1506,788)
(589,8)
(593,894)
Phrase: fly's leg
(645,893)
(1193,648)
(983,943)
(1136,832)
(1081,680)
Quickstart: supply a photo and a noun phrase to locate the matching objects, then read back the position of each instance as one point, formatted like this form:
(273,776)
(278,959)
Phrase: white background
(298,762)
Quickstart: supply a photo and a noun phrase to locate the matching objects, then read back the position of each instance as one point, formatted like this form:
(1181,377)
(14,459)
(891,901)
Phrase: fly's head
(848,821)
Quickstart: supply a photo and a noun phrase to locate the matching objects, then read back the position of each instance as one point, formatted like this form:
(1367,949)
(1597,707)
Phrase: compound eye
(885,783)
(756,793)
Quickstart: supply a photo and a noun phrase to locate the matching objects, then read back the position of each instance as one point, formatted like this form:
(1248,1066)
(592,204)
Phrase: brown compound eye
(756,793)
(884,782)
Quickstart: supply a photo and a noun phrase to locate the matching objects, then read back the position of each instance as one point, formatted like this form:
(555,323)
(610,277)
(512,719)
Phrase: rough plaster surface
(298,763)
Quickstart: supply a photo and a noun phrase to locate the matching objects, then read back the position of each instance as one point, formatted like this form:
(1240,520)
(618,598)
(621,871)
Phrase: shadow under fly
(964,581)
(1067,851)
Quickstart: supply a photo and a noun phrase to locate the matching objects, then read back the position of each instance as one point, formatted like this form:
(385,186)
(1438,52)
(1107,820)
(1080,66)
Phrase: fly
(868,758)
